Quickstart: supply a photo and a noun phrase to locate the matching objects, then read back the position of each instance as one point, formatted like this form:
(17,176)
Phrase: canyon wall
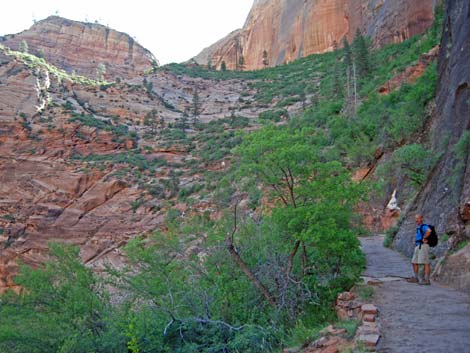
(290,29)
(83,47)
(445,199)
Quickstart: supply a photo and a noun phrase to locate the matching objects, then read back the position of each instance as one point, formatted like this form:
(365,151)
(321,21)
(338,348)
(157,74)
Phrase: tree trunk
(246,270)
(290,261)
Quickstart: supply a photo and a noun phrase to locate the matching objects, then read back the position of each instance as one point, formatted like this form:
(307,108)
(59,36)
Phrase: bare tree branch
(242,264)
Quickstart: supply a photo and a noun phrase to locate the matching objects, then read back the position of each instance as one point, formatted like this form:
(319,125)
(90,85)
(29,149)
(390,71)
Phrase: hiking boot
(412,280)
(425,283)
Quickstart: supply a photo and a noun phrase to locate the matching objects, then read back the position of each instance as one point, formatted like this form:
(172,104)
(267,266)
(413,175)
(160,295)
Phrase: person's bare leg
(427,272)
(416,272)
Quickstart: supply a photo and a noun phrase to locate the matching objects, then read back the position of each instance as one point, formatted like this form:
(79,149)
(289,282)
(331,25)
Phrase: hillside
(217,211)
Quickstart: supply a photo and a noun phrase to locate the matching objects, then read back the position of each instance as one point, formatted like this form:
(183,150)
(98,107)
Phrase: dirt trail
(414,318)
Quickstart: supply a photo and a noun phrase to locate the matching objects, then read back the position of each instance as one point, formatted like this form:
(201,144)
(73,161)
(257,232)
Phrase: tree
(183,123)
(241,63)
(151,120)
(63,308)
(351,79)
(337,84)
(223,66)
(209,64)
(361,54)
(310,198)
(348,57)
(148,87)
(265,58)
(196,105)
(24,46)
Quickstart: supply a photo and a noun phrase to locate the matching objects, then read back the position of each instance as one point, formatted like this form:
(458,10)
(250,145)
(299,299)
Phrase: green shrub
(390,236)
(273,115)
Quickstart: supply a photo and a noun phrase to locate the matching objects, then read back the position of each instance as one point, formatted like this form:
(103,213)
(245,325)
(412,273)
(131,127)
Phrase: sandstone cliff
(445,199)
(83,47)
(62,145)
(288,30)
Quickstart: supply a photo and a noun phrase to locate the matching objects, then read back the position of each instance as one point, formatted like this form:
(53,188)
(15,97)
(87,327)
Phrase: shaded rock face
(81,47)
(17,90)
(445,199)
(454,270)
(288,30)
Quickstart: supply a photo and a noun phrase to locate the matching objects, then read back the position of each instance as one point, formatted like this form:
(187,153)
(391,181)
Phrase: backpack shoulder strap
(421,229)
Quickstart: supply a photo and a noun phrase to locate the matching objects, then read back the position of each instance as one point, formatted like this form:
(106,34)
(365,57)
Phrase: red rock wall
(292,29)
(81,47)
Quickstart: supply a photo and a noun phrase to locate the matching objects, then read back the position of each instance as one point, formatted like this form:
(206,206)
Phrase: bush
(273,115)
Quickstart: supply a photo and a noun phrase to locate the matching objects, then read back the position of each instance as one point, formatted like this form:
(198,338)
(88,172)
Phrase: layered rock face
(445,199)
(291,29)
(52,129)
(83,47)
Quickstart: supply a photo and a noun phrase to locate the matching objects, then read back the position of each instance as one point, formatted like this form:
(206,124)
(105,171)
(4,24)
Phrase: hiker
(421,253)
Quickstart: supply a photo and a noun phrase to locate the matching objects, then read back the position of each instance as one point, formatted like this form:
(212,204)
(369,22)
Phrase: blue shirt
(419,235)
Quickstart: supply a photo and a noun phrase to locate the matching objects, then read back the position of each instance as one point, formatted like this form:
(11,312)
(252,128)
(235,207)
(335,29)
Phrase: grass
(462,245)
(364,292)
(350,326)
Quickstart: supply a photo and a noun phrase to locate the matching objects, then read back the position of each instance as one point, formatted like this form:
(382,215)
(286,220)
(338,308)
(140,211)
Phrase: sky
(173,30)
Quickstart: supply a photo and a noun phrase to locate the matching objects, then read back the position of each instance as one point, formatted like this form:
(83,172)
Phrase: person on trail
(421,253)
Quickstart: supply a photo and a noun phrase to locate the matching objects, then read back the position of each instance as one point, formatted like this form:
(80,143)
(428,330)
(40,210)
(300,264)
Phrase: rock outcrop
(445,199)
(83,48)
(79,165)
(288,30)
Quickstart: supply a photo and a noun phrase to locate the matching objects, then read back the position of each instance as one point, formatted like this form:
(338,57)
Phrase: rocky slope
(288,30)
(78,164)
(445,199)
(83,47)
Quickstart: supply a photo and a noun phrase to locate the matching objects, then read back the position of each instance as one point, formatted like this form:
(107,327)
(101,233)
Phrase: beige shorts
(421,256)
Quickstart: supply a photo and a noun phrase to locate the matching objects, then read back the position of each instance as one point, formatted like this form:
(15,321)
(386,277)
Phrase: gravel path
(414,318)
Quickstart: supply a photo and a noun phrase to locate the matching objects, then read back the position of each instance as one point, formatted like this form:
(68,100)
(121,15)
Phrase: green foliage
(461,152)
(412,162)
(365,292)
(34,62)
(62,309)
(361,54)
(273,115)
(119,130)
(131,158)
(350,326)
(313,201)
(303,251)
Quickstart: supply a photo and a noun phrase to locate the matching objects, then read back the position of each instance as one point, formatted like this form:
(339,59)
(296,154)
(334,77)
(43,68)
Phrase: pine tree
(151,120)
(223,66)
(196,105)
(265,58)
(241,63)
(184,120)
(361,54)
(348,57)
(337,86)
